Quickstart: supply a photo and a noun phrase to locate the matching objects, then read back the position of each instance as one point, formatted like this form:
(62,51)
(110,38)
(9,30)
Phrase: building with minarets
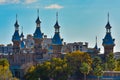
(16,38)
(108,41)
(57,42)
(38,38)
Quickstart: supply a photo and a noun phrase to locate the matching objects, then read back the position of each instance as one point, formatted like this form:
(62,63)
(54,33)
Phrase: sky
(80,20)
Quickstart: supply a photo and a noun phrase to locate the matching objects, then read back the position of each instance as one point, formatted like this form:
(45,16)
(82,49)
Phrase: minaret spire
(16,24)
(38,34)
(38,12)
(108,26)
(16,17)
(38,20)
(96,40)
(57,16)
(96,47)
(108,16)
(108,41)
(56,26)
(21,29)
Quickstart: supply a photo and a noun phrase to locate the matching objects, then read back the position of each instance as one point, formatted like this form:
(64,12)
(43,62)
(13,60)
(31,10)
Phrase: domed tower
(38,37)
(56,40)
(108,41)
(16,38)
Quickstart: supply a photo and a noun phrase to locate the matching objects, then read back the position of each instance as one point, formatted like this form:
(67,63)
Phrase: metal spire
(96,40)
(108,16)
(22,29)
(38,12)
(16,17)
(57,16)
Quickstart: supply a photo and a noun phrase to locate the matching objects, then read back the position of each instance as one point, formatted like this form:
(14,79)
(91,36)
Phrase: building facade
(83,47)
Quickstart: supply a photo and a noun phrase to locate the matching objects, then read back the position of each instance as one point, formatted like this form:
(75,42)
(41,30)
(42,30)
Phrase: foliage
(75,59)
(97,67)
(59,69)
(110,62)
(96,61)
(39,71)
(56,68)
(98,71)
(85,69)
(31,75)
(117,65)
(5,72)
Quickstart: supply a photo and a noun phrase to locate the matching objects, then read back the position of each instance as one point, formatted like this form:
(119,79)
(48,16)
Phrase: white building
(6,49)
(29,42)
(117,55)
(77,46)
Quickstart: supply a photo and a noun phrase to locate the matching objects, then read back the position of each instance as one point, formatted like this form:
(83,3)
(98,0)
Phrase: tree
(31,73)
(85,69)
(98,71)
(97,67)
(110,62)
(59,69)
(40,71)
(117,65)
(56,68)
(44,70)
(75,59)
(5,73)
(96,61)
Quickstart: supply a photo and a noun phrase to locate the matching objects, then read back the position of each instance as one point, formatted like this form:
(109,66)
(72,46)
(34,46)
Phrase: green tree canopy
(5,72)
(85,69)
(56,68)
(98,71)
(75,59)
(96,61)
(117,65)
(110,62)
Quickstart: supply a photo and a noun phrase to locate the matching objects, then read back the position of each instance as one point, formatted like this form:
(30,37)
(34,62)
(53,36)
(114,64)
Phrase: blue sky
(80,20)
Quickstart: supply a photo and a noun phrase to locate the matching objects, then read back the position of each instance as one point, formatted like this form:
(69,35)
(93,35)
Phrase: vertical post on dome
(96,40)
(38,12)
(16,17)
(21,29)
(57,16)
(108,16)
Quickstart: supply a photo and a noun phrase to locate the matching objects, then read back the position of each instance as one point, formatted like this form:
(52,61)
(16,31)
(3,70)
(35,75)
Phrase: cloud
(54,6)
(8,1)
(30,1)
(2,1)
(17,1)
